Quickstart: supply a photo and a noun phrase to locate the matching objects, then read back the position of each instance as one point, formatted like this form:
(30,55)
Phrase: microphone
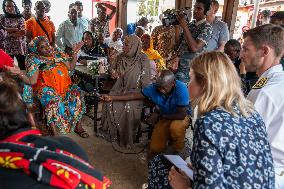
(90,88)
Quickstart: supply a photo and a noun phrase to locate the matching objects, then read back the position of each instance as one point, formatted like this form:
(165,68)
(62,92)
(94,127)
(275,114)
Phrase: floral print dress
(63,102)
(228,152)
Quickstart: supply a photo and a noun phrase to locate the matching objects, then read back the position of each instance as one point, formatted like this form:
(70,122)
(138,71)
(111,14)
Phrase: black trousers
(21,60)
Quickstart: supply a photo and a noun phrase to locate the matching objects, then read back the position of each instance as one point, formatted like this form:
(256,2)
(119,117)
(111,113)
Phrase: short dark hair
(27,2)
(279,15)
(206,3)
(214,2)
(78,3)
(46,3)
(71,6)
(267,34)
(13,115)
(234,43)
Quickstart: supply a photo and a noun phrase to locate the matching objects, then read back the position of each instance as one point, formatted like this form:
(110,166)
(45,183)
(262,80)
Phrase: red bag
(5,60)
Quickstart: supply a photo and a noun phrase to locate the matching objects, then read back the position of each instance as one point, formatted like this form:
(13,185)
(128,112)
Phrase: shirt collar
(197,23)
(273,69)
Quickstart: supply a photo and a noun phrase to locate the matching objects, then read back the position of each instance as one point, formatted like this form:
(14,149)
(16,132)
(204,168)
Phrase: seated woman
(29,160)
(230,145)
(47,73)
(156,60)
(121,118)
(91,49)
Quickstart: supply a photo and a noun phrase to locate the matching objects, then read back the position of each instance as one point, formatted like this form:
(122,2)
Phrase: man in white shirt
(262,51)
(81,18)
(115,40)
(70,31)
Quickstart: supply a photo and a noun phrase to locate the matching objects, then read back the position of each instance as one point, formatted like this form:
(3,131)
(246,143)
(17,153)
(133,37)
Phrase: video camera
(170,16)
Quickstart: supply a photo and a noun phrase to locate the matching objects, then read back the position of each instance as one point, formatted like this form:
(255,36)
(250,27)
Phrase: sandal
(82,134)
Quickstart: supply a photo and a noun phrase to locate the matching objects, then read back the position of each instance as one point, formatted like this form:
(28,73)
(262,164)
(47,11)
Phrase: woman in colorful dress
(48,74)
(14,25)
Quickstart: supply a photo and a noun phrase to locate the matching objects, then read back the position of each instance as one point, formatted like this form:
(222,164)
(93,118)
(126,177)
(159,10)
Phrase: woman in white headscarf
(121,118)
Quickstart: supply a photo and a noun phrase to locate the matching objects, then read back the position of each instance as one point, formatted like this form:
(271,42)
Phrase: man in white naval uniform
(262,50)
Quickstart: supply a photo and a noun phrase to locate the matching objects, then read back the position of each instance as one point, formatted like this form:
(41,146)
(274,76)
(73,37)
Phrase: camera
(170,16)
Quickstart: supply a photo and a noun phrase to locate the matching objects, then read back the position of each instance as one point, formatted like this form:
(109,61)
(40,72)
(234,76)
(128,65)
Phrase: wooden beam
(230,13)
(183,3)
(121,14)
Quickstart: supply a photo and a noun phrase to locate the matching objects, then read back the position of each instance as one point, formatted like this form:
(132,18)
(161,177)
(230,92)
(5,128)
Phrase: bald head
(166,77)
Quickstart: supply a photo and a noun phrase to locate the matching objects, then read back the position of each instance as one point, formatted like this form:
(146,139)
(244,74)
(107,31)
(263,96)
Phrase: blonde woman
(230,145)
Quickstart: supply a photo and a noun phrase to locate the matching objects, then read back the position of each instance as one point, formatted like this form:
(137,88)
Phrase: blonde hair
(220,84)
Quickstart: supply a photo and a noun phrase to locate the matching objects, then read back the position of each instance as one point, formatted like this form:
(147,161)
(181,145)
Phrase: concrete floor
(126,171)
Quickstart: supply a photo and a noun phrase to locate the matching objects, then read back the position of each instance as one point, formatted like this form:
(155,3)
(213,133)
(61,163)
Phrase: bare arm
(76,47)
(30,80)
(125,97)
(18,33)
(111,7)
(29,36)
(194,45)
(179,115)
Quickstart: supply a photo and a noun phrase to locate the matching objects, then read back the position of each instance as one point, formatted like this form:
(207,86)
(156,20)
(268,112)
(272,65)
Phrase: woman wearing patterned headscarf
(120,118)
(14,24)
(47,73)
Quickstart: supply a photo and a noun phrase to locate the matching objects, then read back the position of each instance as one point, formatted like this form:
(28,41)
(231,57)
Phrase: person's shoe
(145,186)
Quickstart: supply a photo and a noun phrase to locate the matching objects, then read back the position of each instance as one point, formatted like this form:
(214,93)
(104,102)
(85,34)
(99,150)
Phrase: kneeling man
(172,99)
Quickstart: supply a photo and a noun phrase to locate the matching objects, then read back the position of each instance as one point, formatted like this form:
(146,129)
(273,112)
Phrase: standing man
(220,33)
(40,25)
(27,13)
(194,38)
(81,18)
(70,31)
(262,50)
(103,19)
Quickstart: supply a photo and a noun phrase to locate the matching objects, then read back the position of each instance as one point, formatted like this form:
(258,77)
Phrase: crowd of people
(215,101)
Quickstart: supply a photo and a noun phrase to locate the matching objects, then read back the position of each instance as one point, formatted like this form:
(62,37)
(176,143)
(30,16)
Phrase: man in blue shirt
(131,27)
(171,119)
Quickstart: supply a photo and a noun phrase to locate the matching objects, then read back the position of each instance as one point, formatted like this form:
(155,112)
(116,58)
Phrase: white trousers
(279,178)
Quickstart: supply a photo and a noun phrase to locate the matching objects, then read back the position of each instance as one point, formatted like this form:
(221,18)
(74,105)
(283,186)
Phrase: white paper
(181,164)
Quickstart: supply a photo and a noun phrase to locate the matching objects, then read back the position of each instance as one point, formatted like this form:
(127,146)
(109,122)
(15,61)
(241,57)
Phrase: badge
(260,83)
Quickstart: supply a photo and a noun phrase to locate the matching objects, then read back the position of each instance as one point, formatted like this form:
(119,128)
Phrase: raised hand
(77,46)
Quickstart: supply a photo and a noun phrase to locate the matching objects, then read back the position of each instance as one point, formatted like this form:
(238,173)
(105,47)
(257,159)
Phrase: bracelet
(21,74)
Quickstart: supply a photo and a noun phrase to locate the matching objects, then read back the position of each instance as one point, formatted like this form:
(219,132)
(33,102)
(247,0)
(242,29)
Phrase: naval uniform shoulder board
(260,83)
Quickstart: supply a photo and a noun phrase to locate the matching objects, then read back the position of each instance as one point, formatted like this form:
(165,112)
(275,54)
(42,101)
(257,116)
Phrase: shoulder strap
(39,23)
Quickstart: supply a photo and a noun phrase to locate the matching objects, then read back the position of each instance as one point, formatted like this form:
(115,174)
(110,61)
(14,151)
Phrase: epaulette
(260,83)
